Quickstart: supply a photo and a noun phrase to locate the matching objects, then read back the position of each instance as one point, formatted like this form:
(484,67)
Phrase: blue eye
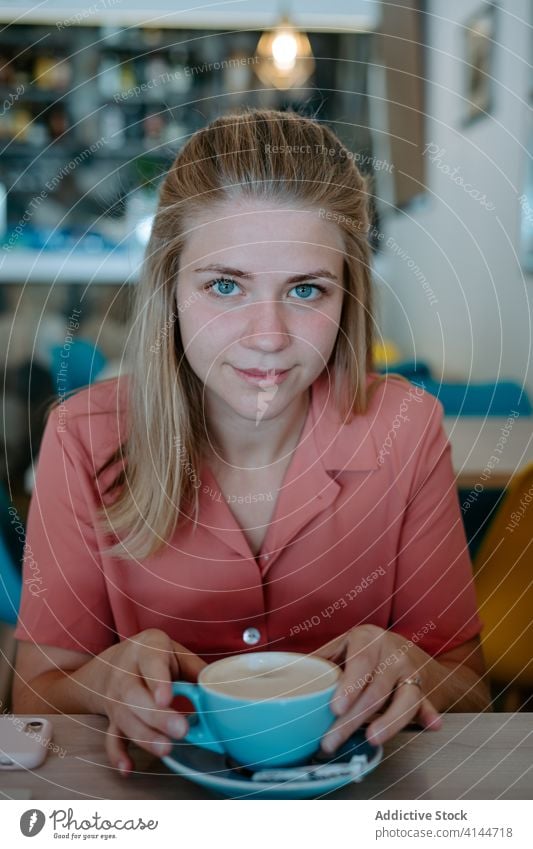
(224,282)
(309,286)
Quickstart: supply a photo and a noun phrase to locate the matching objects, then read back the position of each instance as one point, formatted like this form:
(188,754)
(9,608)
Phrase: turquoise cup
(263,709)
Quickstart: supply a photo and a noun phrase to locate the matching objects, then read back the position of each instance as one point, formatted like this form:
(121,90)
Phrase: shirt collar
(347,446)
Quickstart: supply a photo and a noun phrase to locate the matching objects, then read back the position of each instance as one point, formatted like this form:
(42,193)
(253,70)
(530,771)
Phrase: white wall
(480,325)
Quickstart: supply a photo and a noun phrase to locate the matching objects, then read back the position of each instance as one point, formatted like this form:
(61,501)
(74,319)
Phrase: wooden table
(475,440)
(474,756)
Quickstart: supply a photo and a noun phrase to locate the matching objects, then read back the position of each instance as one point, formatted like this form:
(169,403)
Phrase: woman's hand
(376,661)
(132,685)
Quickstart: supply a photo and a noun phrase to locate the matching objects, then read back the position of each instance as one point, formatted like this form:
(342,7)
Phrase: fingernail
(339,705)
(375,735)
(330,743)
(162,746)
(123,767)
(161,696)
(176,726)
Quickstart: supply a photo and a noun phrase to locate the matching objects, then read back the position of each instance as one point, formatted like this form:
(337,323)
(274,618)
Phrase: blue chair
(9,533)
(479,399)
(466,399)
(10,586)
(11,553)
(75,366)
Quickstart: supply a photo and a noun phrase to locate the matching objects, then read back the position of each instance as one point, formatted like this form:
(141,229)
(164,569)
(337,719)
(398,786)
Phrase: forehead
(263,233)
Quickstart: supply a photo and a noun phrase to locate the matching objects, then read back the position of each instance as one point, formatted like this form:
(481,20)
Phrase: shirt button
(251,636)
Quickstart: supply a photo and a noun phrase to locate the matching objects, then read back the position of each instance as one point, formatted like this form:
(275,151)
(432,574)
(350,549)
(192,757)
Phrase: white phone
(24,741)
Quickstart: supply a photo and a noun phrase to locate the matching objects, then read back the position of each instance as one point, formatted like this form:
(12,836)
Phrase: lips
(262,378)
(254,372)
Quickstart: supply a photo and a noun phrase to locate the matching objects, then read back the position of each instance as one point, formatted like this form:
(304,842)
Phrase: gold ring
(415,679)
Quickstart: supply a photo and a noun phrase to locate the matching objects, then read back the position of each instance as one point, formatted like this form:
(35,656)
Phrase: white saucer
(215,772)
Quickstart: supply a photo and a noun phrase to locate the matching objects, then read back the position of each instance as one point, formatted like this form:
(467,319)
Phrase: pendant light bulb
(285,58)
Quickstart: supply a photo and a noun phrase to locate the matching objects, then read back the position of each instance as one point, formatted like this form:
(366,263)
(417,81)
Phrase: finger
(139,701)
(362,655)
(428,716)
(167,661)
(158,667)
(117,750)
(143,735)
(334,650)
(405,705)
(373,697)
(190,665)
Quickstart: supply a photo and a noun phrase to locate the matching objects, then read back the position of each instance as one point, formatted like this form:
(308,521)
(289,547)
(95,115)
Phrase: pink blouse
(367,528)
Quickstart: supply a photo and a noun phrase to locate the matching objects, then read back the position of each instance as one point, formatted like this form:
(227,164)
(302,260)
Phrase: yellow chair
(385,354)
(503,575)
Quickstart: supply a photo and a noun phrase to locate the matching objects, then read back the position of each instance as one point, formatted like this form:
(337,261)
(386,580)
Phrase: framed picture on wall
(479,33)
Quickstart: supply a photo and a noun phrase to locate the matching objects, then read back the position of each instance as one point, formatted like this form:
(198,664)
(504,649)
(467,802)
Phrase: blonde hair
(263,154)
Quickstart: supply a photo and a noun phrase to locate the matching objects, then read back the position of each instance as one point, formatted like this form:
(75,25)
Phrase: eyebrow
(247,275)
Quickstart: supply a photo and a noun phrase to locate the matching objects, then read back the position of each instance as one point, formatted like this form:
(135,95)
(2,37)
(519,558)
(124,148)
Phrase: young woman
(252,484)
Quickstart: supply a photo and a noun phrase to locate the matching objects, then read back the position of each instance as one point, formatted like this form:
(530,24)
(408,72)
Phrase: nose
(265,326)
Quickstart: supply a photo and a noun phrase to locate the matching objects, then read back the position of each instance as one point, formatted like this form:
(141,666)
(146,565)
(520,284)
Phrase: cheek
(195,323)
(204,335)
(322,330)
(216,331)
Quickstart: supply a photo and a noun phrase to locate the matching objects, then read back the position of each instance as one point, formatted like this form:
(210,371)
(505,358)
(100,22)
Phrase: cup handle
(200,734)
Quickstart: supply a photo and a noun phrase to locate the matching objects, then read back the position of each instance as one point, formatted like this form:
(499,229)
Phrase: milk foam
(269,676)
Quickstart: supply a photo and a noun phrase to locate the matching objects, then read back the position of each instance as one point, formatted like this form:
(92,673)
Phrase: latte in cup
(263,676)
(264,709)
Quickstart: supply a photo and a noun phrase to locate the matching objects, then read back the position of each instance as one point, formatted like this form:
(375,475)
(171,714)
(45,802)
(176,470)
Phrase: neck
(243,444)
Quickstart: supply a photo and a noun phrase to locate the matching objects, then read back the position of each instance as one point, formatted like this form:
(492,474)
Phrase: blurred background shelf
(61,267)
(94,115)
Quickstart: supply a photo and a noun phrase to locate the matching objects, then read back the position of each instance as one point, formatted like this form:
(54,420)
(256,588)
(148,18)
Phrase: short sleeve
(64,598)
(434,602)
